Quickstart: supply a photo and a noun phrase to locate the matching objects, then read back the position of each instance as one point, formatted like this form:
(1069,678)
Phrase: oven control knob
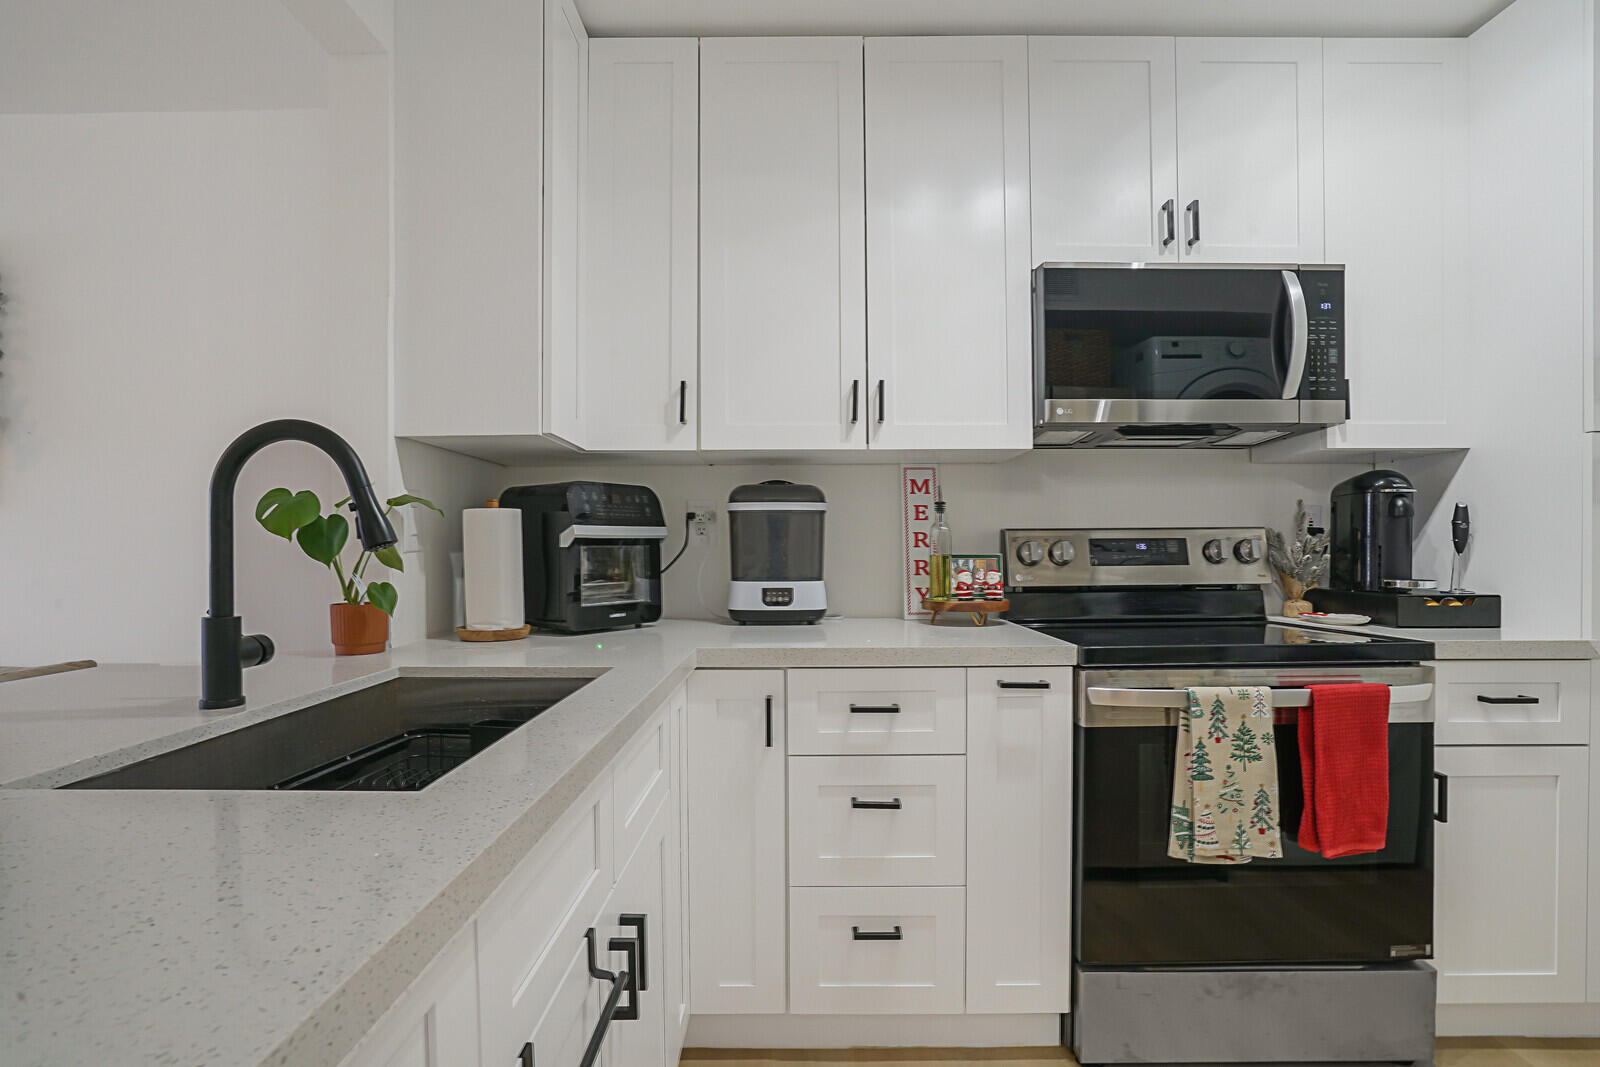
(1212,550)
(1062,553)
(1245,551)
(1029,553)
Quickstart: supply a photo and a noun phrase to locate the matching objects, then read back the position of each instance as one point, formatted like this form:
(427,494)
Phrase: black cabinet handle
(525,1057)
(1194,222)
(855,401)
(876,805)
(880,401)
(1518,699)
(1441,804)
(621,982)
(858,934)
(1023,685)
(874,709)
(683,402)
(637,924)
(769,720)
(1167,216)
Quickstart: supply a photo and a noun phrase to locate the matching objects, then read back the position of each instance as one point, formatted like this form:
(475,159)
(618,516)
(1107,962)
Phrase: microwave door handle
(1300,322)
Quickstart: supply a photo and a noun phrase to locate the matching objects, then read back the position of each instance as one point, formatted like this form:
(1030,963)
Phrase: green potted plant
(360,622)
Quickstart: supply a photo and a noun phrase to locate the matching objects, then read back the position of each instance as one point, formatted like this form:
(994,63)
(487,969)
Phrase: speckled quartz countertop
(251,927)
(1468,643)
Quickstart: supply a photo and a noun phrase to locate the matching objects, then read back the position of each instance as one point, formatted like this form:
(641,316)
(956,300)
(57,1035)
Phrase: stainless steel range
(1266,961)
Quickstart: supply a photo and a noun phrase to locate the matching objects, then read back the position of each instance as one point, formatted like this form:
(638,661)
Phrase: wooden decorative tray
(493,635)
(980,610)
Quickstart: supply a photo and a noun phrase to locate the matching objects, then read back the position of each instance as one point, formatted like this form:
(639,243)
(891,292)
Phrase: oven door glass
(612,574)
(1138,907)
(1153,334)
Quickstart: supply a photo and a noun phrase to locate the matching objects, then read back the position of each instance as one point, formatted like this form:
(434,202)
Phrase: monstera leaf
(323,537)
(383,596)
(282,512)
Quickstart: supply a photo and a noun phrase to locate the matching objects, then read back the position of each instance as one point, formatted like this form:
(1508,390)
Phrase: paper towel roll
(491,548)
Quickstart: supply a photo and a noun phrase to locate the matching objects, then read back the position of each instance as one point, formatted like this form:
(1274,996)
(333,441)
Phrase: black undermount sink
(400,735)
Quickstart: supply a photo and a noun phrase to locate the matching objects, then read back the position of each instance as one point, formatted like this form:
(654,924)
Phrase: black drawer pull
(876,805)
(769,721)
(1441,805)
(1518,699)
(683,402)
(874,709)
(858,934)
(1023,685)
(625,981)
(637,922)
(525,1057)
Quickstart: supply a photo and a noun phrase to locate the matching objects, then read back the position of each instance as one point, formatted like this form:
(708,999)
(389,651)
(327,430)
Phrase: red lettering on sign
(919,539)
(919,512)
(919,566)
(920,486)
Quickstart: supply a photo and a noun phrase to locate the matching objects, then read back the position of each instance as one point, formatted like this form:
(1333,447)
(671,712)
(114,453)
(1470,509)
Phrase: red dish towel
(1344,760)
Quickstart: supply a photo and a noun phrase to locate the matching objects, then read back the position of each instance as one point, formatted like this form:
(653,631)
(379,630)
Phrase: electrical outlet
(1315,516)
(705,515)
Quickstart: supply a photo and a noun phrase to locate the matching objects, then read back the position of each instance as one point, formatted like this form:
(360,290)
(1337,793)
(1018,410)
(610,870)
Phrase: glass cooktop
(1202,644)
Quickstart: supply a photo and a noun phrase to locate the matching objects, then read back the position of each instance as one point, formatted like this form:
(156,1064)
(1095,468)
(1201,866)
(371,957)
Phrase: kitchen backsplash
(863,554)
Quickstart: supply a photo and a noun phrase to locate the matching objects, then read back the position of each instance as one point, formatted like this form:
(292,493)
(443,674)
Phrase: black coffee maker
(1371,525)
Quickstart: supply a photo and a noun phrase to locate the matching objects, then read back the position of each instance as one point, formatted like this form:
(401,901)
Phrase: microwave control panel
(1324,292)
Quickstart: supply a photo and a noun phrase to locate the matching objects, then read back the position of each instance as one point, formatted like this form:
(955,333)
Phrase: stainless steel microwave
(1194,355)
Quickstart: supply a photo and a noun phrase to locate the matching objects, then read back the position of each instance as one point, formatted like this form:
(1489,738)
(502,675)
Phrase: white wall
(1050,488)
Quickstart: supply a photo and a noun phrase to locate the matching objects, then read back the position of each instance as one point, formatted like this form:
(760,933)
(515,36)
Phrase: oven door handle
(1300,322)
(1281,698)
(611,533)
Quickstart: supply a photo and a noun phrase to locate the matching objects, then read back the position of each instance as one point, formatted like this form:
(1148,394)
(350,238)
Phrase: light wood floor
(1452,1052)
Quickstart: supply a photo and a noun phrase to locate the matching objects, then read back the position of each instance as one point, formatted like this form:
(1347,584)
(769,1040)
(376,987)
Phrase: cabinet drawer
(642,776)
(877,951)
(877,711)
(529,927)
(877,820)
(1512,702)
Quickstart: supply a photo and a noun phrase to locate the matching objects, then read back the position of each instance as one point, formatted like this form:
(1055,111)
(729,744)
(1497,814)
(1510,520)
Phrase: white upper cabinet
(1395,130)
(782,244)
(635,383)
(1104,149)
(949,328)
(467,114)
(566,92)
(1250,150)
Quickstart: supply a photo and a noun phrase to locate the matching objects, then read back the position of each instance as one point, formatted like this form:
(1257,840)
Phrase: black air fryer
(1371,525)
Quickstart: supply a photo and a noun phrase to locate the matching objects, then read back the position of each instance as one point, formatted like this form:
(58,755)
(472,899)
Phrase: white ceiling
(1252,18)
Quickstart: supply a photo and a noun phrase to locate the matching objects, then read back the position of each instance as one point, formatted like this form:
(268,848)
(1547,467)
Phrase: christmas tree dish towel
(1225,778)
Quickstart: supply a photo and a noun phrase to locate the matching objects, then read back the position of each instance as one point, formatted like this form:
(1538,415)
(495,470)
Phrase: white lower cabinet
(1019,840)
(877,951)
(435,1022)
(1510,923)
(735,765)
(637,912)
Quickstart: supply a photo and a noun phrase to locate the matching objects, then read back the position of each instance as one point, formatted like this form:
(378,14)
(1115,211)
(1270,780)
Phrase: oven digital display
(1138,552)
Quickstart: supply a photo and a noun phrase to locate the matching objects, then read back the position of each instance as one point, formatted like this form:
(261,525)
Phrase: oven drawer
(877,951)
(877,711)
(1513,702)
(877,820)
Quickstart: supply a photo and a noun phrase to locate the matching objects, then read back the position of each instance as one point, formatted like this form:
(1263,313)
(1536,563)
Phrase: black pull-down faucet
(224,651)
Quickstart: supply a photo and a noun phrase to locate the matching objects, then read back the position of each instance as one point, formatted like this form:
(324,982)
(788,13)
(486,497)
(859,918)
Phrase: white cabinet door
(1510,875)
(640,897)
(636,382)
(435,1022)
(1395,136)
(737,877)
(467,252)
(949,326)
(675,940)
(1019,840)
(1103,134)
(566,94)
(1250,149)
(572,1015)
(782,244)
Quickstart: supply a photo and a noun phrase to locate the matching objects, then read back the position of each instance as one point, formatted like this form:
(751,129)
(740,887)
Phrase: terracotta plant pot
(358,629)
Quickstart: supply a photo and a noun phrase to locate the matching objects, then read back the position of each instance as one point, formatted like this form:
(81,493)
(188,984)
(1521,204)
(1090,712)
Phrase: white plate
(1333,619)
